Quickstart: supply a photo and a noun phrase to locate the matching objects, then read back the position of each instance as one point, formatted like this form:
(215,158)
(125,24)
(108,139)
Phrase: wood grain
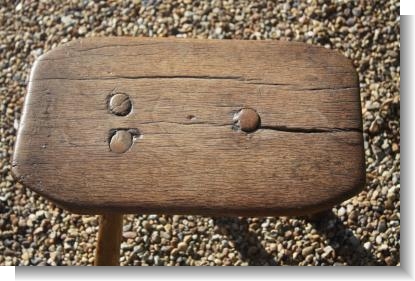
(187,156)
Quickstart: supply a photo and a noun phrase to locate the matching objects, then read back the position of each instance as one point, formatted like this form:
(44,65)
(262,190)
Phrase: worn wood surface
(187,154)
(109,240)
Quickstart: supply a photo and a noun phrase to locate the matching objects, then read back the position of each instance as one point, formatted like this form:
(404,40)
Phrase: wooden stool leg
(109,240)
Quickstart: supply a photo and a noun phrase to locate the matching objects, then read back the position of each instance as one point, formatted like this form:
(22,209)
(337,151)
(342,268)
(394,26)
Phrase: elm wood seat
(133,125)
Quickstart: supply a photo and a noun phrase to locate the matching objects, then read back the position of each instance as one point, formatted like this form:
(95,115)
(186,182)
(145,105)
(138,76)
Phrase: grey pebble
(341,212)
(130,234)
(357,11)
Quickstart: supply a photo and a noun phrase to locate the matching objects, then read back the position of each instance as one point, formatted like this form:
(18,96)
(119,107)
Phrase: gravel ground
(364,230)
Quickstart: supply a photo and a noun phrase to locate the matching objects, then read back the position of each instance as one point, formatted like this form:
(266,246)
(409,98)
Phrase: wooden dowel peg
(109,240)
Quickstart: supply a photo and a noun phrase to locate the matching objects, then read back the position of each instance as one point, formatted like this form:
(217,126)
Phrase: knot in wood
(247,119)
(120,104)
(121,141)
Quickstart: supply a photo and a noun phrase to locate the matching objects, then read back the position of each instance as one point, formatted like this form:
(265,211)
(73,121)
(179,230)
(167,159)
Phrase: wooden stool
(131,125)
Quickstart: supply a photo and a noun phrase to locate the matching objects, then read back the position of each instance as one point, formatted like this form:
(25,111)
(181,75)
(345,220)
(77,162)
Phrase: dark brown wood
(187,154)
(109,240)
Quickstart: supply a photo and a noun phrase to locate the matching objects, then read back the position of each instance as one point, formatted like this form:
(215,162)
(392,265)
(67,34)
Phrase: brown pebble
(182,246)
(273,247)
(288,234)
(307,251)
(9,253)
(374,127)
(389,261)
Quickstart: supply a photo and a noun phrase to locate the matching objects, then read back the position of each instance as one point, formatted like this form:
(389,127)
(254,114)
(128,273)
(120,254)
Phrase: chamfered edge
(105,207)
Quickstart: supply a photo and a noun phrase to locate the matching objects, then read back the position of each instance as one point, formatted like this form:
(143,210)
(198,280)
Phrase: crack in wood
(249,81)
(297,66)
(302,89)
(119,45)
(187,124)
(266,127)
(205,77)
(309,130)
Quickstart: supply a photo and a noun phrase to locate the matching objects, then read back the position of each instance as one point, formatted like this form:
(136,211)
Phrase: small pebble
(307,251)
(130,235)
(182,246)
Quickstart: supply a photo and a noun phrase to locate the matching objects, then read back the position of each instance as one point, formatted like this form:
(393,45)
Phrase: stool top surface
(184,126)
